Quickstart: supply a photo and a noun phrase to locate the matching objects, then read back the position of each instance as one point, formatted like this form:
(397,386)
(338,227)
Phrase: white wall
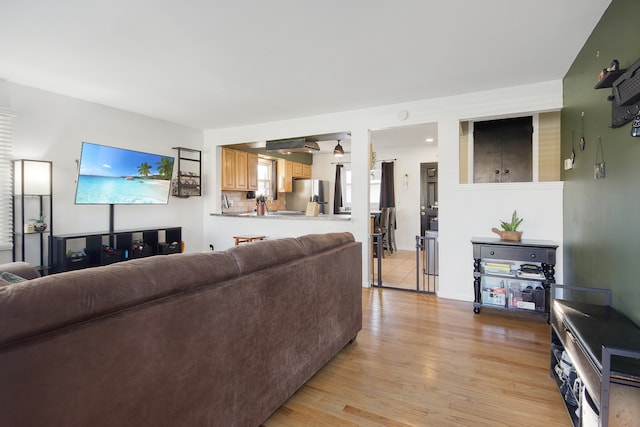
(465,210)
(51,127)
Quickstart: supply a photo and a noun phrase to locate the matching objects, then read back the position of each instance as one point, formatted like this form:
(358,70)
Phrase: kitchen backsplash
(240,203)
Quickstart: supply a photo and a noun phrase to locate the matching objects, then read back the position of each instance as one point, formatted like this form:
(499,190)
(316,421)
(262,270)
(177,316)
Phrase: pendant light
(338,151)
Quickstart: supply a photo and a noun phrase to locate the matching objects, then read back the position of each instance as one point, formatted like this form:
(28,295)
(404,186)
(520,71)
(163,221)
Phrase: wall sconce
(406,181)
(32,177)
(338,151)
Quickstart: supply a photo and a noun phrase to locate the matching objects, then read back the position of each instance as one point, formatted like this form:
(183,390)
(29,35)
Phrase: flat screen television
(116,176)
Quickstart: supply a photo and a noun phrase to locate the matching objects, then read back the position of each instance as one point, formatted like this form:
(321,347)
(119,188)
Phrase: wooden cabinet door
(252,171)
(296,169)
(306,171)
(285,176)
(242,182)
(228,169)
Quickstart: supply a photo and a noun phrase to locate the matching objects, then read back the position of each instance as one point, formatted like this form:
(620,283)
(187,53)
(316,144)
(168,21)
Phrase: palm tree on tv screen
(165,167)
(144,169)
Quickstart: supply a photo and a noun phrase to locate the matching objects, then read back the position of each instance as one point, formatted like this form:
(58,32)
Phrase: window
(6,181)
(265,177)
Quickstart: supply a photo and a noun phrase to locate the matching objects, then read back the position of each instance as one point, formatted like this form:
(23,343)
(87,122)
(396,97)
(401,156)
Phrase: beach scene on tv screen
(110,175)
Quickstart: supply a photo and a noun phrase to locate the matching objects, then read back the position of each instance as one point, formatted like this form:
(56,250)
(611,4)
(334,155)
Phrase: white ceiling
(212,64)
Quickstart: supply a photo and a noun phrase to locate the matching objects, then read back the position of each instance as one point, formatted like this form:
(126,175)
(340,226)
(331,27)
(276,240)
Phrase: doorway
(408,147)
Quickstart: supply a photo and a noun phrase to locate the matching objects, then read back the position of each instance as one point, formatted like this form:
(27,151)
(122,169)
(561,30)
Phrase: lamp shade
(31,177)
(338,151)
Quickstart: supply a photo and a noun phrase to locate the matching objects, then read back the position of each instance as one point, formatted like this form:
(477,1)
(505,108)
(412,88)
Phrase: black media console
(75,251)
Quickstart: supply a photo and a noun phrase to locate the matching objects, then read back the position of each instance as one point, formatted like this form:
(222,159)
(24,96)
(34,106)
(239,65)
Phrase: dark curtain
(337,198)
(387,190)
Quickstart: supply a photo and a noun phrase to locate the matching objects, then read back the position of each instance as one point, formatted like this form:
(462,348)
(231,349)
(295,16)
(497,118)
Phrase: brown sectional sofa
(206,339)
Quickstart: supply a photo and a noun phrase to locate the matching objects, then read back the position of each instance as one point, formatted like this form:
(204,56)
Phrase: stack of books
(497,268)
(530,271)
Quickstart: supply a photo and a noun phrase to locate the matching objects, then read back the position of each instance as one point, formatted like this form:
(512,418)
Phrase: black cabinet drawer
(516,253)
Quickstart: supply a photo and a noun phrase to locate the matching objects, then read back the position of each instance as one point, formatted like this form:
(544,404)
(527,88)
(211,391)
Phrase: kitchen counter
(284,215)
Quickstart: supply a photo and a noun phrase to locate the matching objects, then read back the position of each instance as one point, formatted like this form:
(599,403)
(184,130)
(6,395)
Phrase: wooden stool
(246,239)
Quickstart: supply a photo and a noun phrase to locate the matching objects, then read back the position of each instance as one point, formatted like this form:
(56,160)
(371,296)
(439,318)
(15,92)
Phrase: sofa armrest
(22,269)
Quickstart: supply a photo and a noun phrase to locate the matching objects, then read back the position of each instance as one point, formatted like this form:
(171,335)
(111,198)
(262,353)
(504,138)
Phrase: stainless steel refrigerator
(309,190)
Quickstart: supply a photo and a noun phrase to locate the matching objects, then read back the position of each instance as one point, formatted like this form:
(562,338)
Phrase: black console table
(76,251)
(595,358)
(513,275)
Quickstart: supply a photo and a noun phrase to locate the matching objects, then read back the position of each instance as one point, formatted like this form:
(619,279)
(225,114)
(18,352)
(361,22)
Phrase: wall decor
(598,166)
(582,140)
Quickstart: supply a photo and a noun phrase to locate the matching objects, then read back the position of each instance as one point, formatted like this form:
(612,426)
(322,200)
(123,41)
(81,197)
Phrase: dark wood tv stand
(76,251)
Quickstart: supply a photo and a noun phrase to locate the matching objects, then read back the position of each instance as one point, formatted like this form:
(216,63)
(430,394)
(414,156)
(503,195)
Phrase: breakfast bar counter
(278,215)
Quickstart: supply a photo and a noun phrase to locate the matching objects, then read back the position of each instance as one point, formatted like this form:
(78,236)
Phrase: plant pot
(260,209)
(508,236)
(39,227)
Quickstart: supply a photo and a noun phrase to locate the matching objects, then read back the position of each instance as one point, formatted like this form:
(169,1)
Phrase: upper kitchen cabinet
(252,171)
(306,171)
(288,171)
(239,170)
(285,176)
(296,170)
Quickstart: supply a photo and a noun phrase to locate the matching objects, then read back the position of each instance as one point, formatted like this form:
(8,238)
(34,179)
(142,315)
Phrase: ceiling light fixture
(338,151)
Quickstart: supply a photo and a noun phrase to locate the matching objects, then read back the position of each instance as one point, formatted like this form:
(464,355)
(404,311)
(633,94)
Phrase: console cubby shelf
(76,251)
(500,279)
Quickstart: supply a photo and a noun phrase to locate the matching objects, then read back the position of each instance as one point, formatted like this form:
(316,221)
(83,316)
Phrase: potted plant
(39,223)
(509,229)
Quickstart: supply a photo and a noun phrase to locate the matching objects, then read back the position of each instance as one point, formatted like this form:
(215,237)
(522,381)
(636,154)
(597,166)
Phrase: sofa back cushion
(55,301)
(315,243)
(262,254)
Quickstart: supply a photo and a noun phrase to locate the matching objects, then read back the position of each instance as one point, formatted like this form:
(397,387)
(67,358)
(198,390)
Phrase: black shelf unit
(509,290)
(76,251)
(32,198)
(188,181)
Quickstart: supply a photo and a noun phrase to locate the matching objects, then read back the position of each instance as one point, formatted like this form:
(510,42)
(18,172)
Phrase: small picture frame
(598,170)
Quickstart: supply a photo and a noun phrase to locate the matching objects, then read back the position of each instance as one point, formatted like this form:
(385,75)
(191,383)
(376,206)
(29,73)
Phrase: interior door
(503,150)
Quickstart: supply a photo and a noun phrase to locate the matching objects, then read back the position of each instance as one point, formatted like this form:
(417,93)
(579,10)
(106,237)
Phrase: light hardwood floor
(424,361)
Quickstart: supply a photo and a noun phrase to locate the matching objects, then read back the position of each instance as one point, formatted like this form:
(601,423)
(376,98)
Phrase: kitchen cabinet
(228,169)
(252,171)
(306,171)
(239,170)
(296,169)
(285,176)
(242,182)
(288,170)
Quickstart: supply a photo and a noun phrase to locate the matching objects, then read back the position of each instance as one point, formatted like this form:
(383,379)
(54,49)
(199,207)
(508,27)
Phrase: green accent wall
(602,217)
